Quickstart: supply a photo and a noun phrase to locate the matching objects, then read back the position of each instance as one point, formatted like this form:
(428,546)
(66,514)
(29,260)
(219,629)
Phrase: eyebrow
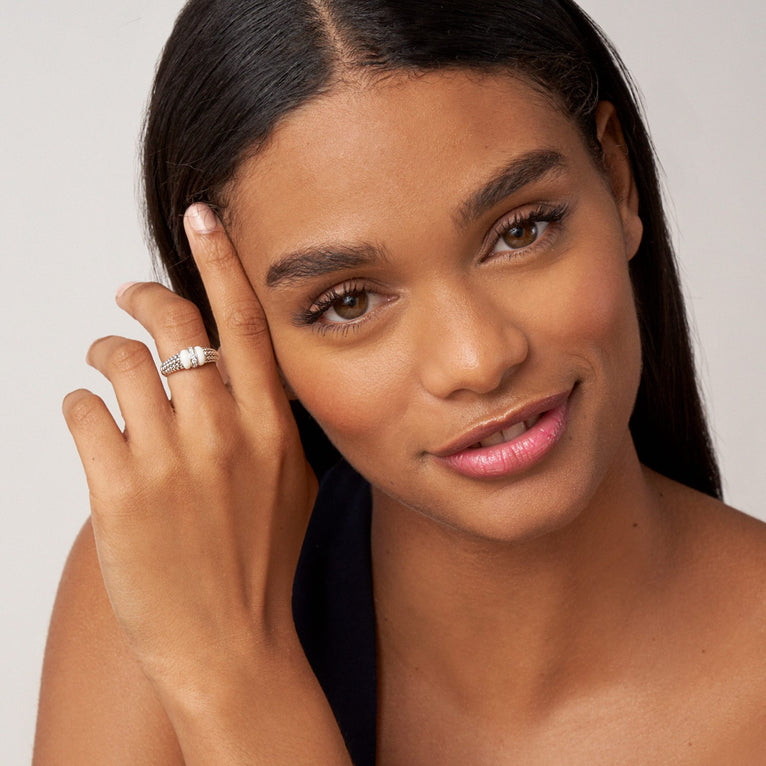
(312,262)
(519,172)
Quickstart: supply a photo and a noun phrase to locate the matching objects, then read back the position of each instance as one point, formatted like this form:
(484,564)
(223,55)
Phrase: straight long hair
(232,69)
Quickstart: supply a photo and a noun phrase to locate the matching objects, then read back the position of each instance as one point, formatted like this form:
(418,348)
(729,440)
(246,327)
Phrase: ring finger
(176,325)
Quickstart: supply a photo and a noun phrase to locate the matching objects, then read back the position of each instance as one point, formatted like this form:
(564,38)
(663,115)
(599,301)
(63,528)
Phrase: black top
(333,606)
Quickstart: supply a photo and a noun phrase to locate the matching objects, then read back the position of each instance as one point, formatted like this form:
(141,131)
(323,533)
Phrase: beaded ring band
(188,359)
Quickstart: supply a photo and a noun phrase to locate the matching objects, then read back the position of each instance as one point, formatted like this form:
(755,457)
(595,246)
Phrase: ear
(620,174)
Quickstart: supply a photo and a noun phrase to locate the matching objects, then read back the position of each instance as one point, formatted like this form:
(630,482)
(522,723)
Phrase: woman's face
(438,258)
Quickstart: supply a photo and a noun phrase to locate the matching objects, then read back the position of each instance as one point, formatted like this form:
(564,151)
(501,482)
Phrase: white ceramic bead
(200,354)
(185,359)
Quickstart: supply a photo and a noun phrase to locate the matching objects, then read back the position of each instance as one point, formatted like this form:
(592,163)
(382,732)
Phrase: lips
(511,444)
(505,428)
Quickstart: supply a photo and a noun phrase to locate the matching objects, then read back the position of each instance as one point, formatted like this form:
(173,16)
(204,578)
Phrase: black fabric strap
(333,607)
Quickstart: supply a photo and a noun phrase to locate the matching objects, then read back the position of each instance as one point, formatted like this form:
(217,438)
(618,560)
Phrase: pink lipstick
(512,445)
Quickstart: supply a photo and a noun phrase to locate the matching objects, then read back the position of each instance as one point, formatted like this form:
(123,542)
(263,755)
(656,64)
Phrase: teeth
(507,434)
(493,439)
(503,436)
(513,431)
(533,421)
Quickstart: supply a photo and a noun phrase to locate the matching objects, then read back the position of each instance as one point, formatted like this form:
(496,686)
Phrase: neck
(487,620)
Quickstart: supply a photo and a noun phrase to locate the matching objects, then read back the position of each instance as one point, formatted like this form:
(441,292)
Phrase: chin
(582,473)
(498,512)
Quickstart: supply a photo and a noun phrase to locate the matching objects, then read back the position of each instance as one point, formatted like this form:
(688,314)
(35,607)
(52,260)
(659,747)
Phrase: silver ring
(188,359)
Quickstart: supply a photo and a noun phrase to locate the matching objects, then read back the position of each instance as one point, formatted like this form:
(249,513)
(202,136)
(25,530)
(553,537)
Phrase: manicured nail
(122,288)
(201,218)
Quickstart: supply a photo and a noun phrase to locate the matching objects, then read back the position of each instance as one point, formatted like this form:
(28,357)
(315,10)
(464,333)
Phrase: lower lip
(514,456)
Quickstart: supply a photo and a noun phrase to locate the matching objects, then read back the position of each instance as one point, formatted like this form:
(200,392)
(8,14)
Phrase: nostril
(465,340)
(480,369)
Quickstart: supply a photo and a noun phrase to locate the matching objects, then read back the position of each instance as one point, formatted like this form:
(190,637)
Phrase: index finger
(242,326)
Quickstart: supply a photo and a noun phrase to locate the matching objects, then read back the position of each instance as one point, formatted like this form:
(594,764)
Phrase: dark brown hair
(232,68)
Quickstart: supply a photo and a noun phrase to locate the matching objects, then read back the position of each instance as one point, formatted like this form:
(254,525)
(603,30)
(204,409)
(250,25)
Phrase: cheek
(354,395)
(595,319)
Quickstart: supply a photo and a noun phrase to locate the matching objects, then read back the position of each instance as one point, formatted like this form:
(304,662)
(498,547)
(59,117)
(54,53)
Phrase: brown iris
(520,235)
(351,306)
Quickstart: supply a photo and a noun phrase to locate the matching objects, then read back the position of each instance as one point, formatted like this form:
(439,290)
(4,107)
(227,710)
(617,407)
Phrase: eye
(521,234)
(526,231)
(342,307)
(348,306)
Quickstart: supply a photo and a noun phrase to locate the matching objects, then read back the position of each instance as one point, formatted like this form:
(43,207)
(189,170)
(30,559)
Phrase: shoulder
(720,600)
(711,531)
(720,552)
(96,706)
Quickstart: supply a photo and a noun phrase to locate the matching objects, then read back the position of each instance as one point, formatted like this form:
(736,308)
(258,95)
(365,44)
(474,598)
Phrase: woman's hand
(200,507)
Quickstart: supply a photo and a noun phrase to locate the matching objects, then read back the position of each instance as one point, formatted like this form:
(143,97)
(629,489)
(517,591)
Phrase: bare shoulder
(722,553)
(719,607)
(715,532)
(96,706)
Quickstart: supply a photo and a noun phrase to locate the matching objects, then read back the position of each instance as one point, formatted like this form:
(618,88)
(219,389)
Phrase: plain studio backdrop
(73,83)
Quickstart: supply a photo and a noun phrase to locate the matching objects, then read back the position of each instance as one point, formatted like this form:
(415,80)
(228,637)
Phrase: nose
(468,343)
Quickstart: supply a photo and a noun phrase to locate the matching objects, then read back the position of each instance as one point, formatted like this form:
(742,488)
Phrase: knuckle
(82,409)
(219,441)
(276,433)
(125,489)
(218,255)
(129,356)
(285,439)
(162,474)
(221,449)
(128,497)
(182,317)
(245,319)
(274,430)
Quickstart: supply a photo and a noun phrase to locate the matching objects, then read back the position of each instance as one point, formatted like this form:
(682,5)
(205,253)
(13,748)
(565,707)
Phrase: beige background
(73,82)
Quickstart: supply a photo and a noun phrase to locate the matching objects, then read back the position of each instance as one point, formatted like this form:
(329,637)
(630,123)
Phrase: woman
(436,228)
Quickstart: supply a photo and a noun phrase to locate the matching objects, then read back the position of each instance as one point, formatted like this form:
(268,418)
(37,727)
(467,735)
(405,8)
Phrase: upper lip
(492,426)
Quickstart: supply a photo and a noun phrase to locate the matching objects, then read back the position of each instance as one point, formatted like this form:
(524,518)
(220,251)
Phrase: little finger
(130,368)
(99,441)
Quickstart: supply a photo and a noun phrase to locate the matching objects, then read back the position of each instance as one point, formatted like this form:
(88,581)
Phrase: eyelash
(353,288)
(327,300)
(541,214)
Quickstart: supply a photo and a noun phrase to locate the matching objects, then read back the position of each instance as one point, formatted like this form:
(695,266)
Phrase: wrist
(218,676)
(266,707)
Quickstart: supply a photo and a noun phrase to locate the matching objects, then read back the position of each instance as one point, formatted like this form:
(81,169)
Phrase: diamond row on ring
(188,359)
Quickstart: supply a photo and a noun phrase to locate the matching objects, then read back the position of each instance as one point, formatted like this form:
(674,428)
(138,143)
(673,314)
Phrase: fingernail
(201,218)
(122,288)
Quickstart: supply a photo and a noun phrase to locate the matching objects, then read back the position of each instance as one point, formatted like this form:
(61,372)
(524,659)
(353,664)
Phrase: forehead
(351,163)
